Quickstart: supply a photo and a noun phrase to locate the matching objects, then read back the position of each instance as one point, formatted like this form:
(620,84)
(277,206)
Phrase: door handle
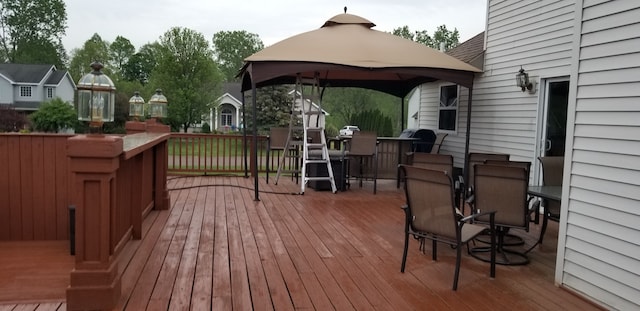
(547,145)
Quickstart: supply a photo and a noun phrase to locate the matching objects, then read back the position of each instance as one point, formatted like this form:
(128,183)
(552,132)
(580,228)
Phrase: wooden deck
(218,249)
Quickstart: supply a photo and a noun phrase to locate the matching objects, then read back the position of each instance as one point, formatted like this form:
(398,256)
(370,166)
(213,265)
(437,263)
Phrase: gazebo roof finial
(345,9)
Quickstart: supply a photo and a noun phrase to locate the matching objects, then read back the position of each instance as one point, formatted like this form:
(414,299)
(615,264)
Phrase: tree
(273,106)
(231,48)
(27,23)
(120,51)
(187,75)
(441,35)
(54,116)
(11,120)
(141,64)
(40,52)
(94,49)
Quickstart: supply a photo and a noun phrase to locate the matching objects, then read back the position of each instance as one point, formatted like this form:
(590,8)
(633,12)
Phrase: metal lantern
(96,97)
(136,105)
(522,80)
(158,105)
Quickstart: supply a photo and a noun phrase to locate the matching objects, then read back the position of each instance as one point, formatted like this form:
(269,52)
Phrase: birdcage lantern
(96,97)
(136,106)
(158,105)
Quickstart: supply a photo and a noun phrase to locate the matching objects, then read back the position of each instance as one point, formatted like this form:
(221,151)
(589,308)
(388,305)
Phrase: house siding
(599,251)
(537,36)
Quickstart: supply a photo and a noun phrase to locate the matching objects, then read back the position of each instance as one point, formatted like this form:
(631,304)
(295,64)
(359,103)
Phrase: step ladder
(314,143)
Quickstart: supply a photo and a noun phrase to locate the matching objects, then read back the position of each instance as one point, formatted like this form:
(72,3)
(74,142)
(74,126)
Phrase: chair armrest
(470,199)
(474,216)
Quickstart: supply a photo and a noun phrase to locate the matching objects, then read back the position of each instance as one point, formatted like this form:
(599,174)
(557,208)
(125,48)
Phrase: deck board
(218,249)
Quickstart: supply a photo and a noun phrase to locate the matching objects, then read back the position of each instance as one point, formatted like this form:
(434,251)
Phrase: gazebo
(347,52)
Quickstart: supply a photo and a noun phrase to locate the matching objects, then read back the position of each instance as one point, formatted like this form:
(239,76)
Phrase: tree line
(188,67)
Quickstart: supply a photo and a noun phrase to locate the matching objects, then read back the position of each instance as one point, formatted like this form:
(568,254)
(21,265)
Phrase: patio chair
(438,143)
(467,185)
(431,214)
(503,188)
(277,142)
(552,173)
(363,146)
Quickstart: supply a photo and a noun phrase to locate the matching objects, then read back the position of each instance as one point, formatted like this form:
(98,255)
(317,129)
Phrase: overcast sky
(143,21)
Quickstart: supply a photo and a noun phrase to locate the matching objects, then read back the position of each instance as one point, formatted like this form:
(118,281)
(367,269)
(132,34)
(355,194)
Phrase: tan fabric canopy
(345,51)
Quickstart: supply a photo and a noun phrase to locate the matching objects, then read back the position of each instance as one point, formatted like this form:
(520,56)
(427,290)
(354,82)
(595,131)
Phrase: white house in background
(25,87)
(315,120)
(228,114)
(584,59)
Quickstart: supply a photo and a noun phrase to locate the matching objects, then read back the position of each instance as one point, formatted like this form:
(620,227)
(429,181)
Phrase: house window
(49,92)
(25,91)
(227,117)
(448,109)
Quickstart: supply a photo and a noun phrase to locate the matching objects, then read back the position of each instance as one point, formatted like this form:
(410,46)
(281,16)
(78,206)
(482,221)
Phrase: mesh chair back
(503,188)
(552,173)
(480,158)
(438,143)
(430,200)
(438,162)
(278,137)
(363,143)
(552,170)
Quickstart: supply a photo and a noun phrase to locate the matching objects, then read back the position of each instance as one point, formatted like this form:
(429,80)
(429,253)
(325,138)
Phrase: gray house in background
(583,57)
(24,87)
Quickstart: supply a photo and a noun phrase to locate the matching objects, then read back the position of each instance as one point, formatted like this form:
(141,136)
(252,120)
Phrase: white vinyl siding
(599,249)
(537,36)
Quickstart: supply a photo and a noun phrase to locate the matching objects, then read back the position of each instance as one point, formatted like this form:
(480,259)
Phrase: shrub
(54,116)
(12,120)
(206,128)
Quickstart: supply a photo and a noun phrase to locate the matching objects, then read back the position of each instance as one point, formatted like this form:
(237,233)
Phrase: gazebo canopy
(346,52)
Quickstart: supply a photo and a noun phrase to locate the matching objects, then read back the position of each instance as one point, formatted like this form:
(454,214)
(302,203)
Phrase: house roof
(233,89)
(469,50)
(26,73)
(56,77)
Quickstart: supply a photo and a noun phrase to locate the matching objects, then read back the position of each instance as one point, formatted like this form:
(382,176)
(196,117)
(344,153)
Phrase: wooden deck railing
(207,154)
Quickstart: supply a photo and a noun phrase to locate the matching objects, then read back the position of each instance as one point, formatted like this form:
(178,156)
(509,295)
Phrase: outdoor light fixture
(96,97)
(136,106)
(158,105)
(522,81)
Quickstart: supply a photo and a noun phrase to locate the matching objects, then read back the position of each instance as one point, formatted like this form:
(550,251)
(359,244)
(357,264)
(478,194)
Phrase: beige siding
(600,256)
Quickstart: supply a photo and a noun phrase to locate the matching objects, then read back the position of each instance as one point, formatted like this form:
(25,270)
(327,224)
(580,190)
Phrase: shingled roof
(26,73)
(470,51)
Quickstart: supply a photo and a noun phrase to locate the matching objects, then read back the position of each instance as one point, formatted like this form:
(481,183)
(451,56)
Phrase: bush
(12,120)
(206,128)
(54,116)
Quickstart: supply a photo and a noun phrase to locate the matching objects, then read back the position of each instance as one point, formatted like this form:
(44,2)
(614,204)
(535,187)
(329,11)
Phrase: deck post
(95,281)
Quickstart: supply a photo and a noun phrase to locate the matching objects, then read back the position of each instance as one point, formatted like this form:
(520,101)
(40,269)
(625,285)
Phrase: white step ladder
(313,151)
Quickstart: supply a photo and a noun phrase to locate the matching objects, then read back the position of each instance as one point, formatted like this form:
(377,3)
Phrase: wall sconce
(523,82)
(136,106)
(158,105)
(96,98)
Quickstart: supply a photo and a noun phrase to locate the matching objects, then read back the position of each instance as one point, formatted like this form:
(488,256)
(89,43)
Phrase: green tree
(27,23)
(94,49)
(40,52)
(231,48)
(120,51)
(54,116)
(141,64)
(373,120)
(450,38)
(187,75)
(273,107)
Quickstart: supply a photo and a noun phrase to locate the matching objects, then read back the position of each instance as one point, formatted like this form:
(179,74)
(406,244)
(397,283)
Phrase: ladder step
(315,129)
(319,178)
(313,112)
(316,161)
(316,146)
